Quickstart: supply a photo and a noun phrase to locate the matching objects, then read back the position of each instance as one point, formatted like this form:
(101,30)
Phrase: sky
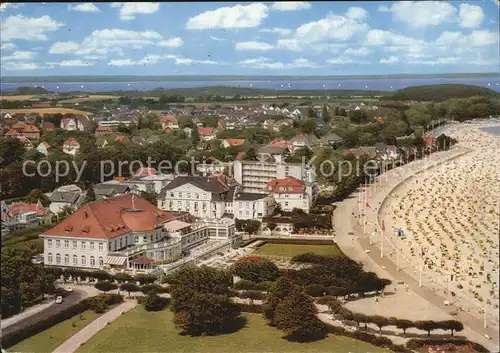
(249,38)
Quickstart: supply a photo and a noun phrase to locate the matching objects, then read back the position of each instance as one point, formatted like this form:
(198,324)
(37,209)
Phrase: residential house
(282,144)
(252,206)
(20,215)
(110,189)
(232,143)
(47,126)
(170,122)
(67,196)
(304,140)
(103,131)
(71,146)
(291,193)
(212,165)
(43,148)
(72,124)
(207,133)
(331,140)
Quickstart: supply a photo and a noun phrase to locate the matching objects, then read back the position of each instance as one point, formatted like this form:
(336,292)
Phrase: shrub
(123,277)
(145,279)
(252,294)
(256,271)
(326,300)
(418,343)
(98,304)
(151,288)
(250,308)
(264,286)
(153,302)
(315,290)
(105,286)
(244,285)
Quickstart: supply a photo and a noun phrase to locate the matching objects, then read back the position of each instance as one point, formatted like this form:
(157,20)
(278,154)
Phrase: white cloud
(151,59)
(84,7)
(471,16)
(217,39)
(266,63)
(71,63)
(437,61)
(357,13)
(290,44)
(357,52)
(342,60)
(380,37)
(421,14)
(278,30)
(28,28)
(389,60)
(238,16)
(291,5)
(260,46)
(175,42)
(7,46)
(333,27)
(19,55)
(479,38)
(5,5)
(20,66)
(186,61)
(105,41)
(130,9)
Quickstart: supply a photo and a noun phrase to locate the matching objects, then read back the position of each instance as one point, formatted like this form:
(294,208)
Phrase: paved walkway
(356,246)
(26,313)
(82,336)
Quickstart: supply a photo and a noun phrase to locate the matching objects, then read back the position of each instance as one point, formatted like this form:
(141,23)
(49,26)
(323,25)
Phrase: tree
(251,154)
(326,115)
(150,196)
(129,287)
(98,304)
(200,300)
(105,286)
(403,324)
(258,270)
(426,325)
(452,325)
(90,195)
(123,277)
(296,316)
(380,322)
(36,195)
(195,136)
(307,126)
(144,279)
(153,302)
(281,289)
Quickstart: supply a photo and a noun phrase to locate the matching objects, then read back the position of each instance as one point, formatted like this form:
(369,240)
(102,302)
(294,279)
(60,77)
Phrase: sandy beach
(450,218)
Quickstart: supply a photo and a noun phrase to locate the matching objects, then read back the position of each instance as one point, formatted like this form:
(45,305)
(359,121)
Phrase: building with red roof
(232,143)
(20,215)
(291,193)
(170,122)
(71,146)
(207,133)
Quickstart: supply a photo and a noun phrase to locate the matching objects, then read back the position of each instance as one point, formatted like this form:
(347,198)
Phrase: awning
(176,225)
(115,260)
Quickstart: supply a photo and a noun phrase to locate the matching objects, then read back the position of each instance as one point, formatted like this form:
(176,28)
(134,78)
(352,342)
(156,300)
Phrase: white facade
(114,123)
(42,148)
(289,201)
(71,149)
(253,209)
(72,125)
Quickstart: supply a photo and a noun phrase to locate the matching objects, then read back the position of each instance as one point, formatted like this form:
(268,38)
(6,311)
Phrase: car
(69,289)
(59,299)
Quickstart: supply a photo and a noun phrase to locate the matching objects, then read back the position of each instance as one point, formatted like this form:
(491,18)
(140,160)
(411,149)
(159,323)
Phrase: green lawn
(290,250)
(48,340)
(141,331)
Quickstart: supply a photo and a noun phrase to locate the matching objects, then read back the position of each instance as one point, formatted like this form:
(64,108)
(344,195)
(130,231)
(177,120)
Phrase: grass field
(93,97)
(43,111)
(142,331)
(17,98)
(290,250)
(48,340)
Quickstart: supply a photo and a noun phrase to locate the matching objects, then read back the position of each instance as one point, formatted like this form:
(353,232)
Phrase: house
(68,196)
(71,146)
(170,122)
(21,215)
(31,132)
(212,165)
(127,233)
(304,140)
(72,124)
(281,143)
(368,151)
(110,189)
(331,140)
(291,193)
(102,131)
(43,148)
(47,126)
(252,205)
(232,143)
(207,133)
(188,131)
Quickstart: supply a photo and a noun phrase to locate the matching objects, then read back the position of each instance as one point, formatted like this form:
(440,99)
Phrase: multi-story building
(20,215)
(292,193)
(253,176)
(129,233)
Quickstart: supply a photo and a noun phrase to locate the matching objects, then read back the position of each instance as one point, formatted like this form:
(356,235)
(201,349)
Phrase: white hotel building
(128,233)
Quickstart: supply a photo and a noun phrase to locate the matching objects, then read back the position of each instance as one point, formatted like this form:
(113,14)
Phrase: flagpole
(420,267)
(382,242)
(397,254)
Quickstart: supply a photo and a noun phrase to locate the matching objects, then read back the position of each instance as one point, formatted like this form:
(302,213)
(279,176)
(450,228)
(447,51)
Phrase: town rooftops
(205,131)
(286,185)
(246,196)
(71,142)
(235,142)
(211,184)
(109,218)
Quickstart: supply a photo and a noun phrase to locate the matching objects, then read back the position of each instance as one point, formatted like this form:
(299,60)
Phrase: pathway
(82,336)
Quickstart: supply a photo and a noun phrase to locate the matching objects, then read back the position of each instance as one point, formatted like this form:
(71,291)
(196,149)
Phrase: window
(197,196)
(58,258)
(180,195)
(101,245)
(75,244)
(49,243)
(171,194)
(101,261)
(121,244)
(49,258)
(170,204)
(84,246)
(92,261)
(188,195)
(75,260)
(248,213)
(196,206)
(58,243)
(66,244)
(248,204)
(179,204)
(286,204)
(84,260)
(116,245)
(92,245)
(66,259)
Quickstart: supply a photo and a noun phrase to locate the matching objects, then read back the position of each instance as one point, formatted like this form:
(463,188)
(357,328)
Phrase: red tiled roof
(18,208)
(168,130)
(71,142)
(280,143)
(169,119)
(120,138)
(286,185)
(30,128)
(429,140)
(204,131)
(235,142)
(12,133)
(48,126)
(142,260)
(104,128)
(109,218)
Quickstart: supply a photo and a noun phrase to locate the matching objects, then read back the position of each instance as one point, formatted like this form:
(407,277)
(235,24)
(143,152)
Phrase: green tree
(307,126)
(256,271)
(326,115)
(36,195)
(105,286)
(153,302)
(380,322)
(281,289)
(296,316)
(427,325)
(123,277)
(403,324)
(129,287)
(251,154)
(452,325)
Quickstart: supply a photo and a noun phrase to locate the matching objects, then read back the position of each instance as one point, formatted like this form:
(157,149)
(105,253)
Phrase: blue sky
(249,38)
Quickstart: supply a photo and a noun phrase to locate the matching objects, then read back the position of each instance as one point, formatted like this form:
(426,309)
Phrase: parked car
(69,289)
(59,299)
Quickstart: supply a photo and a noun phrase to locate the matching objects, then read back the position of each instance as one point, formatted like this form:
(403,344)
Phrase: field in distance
(142,331)
(290,250)
(92,97)
(43,111)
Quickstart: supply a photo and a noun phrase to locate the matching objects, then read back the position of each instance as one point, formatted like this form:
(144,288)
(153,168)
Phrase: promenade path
(355,244)
(82,336)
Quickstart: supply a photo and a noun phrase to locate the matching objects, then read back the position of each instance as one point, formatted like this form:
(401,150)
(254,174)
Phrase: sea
(492,129)
(379,84)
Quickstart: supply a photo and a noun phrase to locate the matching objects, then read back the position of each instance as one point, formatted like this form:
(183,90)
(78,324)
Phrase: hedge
(250,308)
(295,241)
(415,343)
(14,337)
